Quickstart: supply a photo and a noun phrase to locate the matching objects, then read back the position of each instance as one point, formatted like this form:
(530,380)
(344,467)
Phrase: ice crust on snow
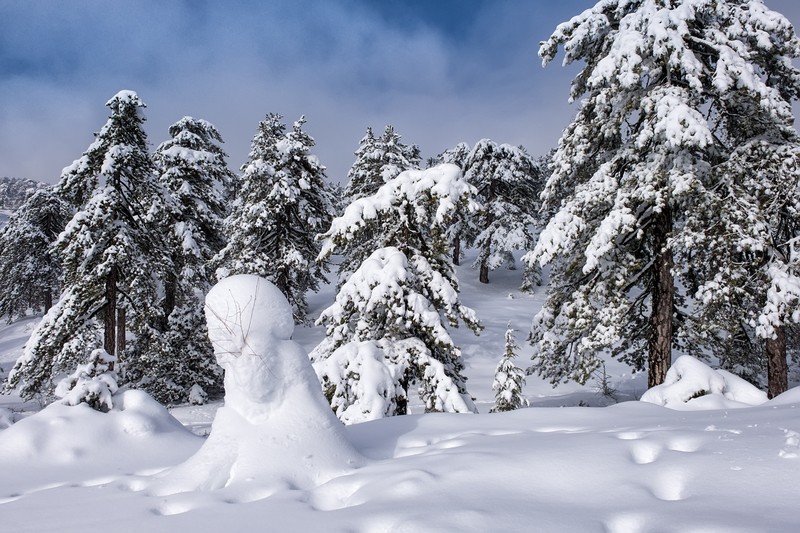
(693,385)
(275,429)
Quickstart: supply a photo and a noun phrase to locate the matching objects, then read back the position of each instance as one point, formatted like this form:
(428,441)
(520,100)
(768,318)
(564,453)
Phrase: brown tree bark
(48,300)
(121,325)
(660,345)
(484,275)
(110,321)
(777,368)
(457,251)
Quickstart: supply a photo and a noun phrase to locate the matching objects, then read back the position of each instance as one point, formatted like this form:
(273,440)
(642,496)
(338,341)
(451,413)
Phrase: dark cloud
(441,71)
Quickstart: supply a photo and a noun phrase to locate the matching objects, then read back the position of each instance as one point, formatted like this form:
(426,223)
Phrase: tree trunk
(121,325)
(170,287)
(110,322)
(457,251)
(660,356)
(777,369)
(48,299)
(484,275)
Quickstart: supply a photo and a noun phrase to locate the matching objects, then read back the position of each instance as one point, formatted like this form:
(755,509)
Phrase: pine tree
(282,205)
(508,184)
(747,269)
(111,258)
(669,91)
(192,169)
(30,271)
(508,379)
(378,161)
(461,227)
(391,309)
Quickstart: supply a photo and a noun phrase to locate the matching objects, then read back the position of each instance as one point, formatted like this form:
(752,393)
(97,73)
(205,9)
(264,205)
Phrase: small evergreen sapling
(508,379)
(93,383)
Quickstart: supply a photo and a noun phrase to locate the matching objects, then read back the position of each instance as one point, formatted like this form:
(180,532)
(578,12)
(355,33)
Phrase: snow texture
(691,385)
(276,430)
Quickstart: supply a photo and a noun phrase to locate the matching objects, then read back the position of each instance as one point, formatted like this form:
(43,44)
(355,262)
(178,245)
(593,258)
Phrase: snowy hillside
(631,467)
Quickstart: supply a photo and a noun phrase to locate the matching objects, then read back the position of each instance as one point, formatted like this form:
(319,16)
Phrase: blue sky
(440,71)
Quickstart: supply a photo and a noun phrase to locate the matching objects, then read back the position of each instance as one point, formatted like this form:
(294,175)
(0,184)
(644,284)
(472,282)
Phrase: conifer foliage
(378,161)
(30,270)
(508,184)
(192,169)
(508,379)
(670,90)
(108,253)
(386,328)
(282,203)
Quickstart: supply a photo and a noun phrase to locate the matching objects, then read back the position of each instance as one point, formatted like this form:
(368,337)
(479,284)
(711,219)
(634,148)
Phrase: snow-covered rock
(275,430)
(693,385)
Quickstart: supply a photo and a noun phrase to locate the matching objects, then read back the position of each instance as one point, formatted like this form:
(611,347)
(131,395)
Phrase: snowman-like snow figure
(275,429)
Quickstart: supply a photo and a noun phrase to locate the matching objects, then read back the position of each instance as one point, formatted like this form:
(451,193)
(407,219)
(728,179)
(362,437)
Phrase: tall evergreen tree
(30,271)
(508,184)
(283,203)
(747,269)
(388,316)
(378,161)
(110,255)
(669,91)
(192,169)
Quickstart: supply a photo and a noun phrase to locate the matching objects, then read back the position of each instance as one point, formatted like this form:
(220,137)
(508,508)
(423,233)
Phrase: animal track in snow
(670,485)
(791,446)
(644,452)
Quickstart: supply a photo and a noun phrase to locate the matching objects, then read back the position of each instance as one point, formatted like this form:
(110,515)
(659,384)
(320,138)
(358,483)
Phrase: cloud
(442,72)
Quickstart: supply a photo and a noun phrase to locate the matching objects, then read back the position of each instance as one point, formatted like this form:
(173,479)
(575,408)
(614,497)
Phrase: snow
(692,384)
(556,467)
(275,431)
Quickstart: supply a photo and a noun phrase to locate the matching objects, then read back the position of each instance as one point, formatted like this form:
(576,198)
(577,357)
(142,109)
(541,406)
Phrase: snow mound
(790,397)
(63,434)
(275,430)
(692,385)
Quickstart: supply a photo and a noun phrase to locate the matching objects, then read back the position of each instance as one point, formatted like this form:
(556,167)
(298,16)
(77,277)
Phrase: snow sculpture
(275,430)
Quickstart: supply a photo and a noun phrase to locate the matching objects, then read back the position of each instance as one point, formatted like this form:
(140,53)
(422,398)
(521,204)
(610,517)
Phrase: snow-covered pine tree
(665,88)
(110,255)
(192,169)
(388,315)
(378,161)
(747,269)
(508,379)
(283,203)
(30,271)
(508,184)
(460,229)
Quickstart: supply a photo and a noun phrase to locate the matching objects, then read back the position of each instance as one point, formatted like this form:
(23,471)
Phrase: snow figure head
(250,326)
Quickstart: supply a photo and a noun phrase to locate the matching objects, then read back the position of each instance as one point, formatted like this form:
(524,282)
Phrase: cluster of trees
(130,243)
(669,221)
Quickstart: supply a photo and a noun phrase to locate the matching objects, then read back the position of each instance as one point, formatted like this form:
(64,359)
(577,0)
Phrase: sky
(440,71)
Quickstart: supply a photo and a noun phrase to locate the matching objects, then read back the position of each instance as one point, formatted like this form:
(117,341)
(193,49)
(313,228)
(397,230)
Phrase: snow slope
(631,467)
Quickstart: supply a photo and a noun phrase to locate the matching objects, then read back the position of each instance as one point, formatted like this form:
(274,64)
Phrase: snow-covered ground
(557,466)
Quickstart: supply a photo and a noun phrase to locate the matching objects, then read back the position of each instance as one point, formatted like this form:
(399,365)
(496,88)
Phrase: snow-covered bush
(93,383)
(692,384)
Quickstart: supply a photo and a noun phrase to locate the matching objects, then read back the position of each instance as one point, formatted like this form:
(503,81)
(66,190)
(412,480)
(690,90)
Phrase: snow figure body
(275,430)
